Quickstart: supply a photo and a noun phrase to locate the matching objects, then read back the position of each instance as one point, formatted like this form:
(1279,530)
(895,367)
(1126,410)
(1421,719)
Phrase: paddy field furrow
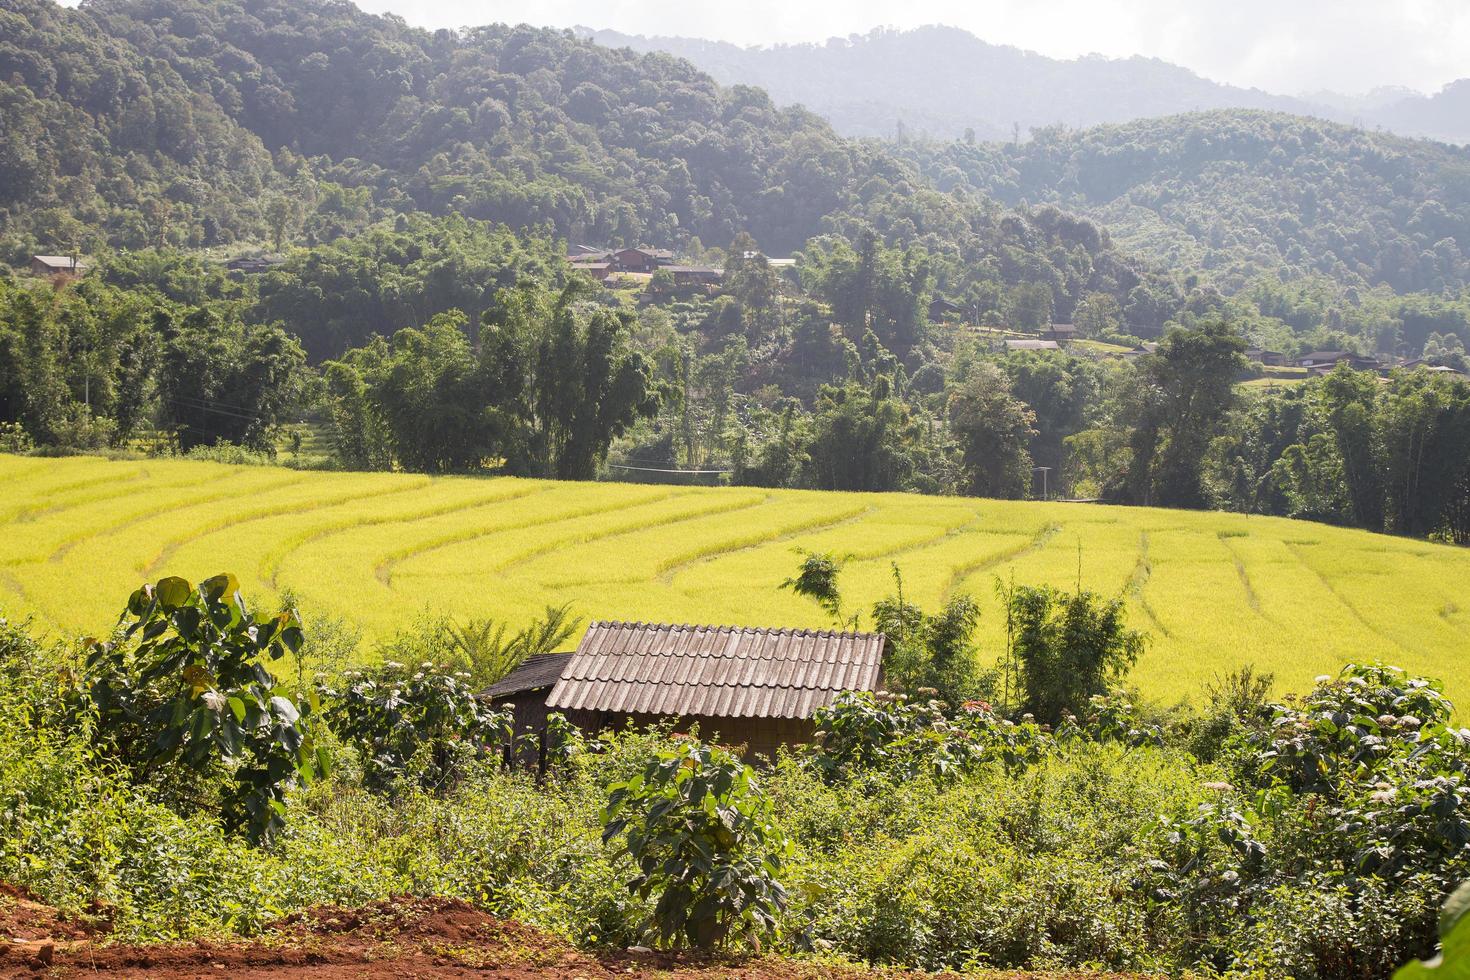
(1010,553)
(673,566)
(384,570)
(264,512)
(270,565)
(378,550)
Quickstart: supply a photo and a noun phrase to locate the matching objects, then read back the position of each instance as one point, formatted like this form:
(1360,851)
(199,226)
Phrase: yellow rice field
(1212,590)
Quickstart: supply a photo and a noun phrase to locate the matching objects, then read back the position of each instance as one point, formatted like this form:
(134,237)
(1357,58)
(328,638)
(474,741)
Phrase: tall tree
(566,380)
(993,428)
(1179,401)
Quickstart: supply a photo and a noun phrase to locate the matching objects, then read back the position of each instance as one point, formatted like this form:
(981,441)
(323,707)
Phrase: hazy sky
(1287,46)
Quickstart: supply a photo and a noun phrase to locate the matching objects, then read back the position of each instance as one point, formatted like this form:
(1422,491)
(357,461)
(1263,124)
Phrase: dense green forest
(333,118)
(1237,193)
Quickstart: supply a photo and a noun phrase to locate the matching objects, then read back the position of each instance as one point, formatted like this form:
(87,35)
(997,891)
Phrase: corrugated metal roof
(715,671)
(539,671)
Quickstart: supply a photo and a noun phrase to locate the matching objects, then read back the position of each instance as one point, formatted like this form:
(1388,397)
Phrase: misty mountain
(944,82)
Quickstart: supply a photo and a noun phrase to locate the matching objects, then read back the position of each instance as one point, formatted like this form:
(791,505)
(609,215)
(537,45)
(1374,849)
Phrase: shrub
(15,439)
(188,683)
(699,829)
(423,728)
(1066,647)
(930,652)
(865,731)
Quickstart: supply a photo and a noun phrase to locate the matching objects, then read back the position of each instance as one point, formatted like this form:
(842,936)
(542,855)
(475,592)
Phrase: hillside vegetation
(1234,193)
(207,124)
(1214,591)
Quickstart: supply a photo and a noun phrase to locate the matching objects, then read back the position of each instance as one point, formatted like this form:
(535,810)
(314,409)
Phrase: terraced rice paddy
(1213,590)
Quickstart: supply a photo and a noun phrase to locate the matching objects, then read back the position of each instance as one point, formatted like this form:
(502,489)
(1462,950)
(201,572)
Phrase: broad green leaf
(217,588)
(172,592)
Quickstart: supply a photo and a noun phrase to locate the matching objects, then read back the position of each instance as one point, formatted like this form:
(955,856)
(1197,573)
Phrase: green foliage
(1175,408)
(567,378)
(1453,961)
(553,382)
(701,833)
(419,726)
(872,288)
(861,731)
(919,838)
(1065,648)
(861,439)
(487,650)
(14,438)
(1239,192)
(1350,449)
(930,652)
(188,684)
(817,581)
(993,428)
(92,364)
(395,275)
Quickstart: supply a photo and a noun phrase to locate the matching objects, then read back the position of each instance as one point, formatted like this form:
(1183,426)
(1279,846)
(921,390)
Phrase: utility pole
(1045,489)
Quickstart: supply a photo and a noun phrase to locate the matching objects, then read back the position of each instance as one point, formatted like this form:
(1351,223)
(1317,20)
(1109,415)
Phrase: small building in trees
(941,310)
(1026,343)
(59,265)
(252,265)
(1268,358)
(641,259)
(1062,333)
(1322,361)
(597,270)
(694,275)
(745,686)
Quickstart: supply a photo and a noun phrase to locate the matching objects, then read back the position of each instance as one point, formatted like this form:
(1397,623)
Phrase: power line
(650,469)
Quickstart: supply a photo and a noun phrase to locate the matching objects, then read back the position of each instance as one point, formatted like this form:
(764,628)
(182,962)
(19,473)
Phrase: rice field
(1212,590)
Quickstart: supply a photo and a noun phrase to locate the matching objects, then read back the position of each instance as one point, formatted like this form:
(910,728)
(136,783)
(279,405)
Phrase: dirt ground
(404,939)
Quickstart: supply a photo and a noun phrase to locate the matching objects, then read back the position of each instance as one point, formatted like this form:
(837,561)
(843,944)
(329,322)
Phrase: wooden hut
(751,687)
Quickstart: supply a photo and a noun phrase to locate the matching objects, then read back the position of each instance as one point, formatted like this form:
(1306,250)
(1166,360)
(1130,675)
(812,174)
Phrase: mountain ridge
(867,85)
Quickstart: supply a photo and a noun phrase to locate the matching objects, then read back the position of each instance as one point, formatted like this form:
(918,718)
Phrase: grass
(1212,590)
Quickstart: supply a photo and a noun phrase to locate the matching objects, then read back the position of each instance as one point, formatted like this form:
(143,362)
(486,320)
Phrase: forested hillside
(102,141)
(420,190)
(1234,193)
(365,117)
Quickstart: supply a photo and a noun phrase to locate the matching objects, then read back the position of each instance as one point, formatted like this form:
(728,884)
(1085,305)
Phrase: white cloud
(1279,45)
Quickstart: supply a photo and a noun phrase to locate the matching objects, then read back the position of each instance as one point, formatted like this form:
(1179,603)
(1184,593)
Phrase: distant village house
(1322,362)
(597,270)
(1062,333)
(1026,343)
(1268,358)
(59,265)
(751,687)
(251,266)
(602,262)
(942,309)
(694,275)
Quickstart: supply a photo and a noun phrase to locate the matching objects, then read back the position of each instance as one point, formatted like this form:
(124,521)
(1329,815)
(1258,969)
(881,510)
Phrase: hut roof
(715,671)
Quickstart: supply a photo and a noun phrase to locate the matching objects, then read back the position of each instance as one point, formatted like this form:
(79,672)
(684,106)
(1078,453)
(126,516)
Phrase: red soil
(403,939)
